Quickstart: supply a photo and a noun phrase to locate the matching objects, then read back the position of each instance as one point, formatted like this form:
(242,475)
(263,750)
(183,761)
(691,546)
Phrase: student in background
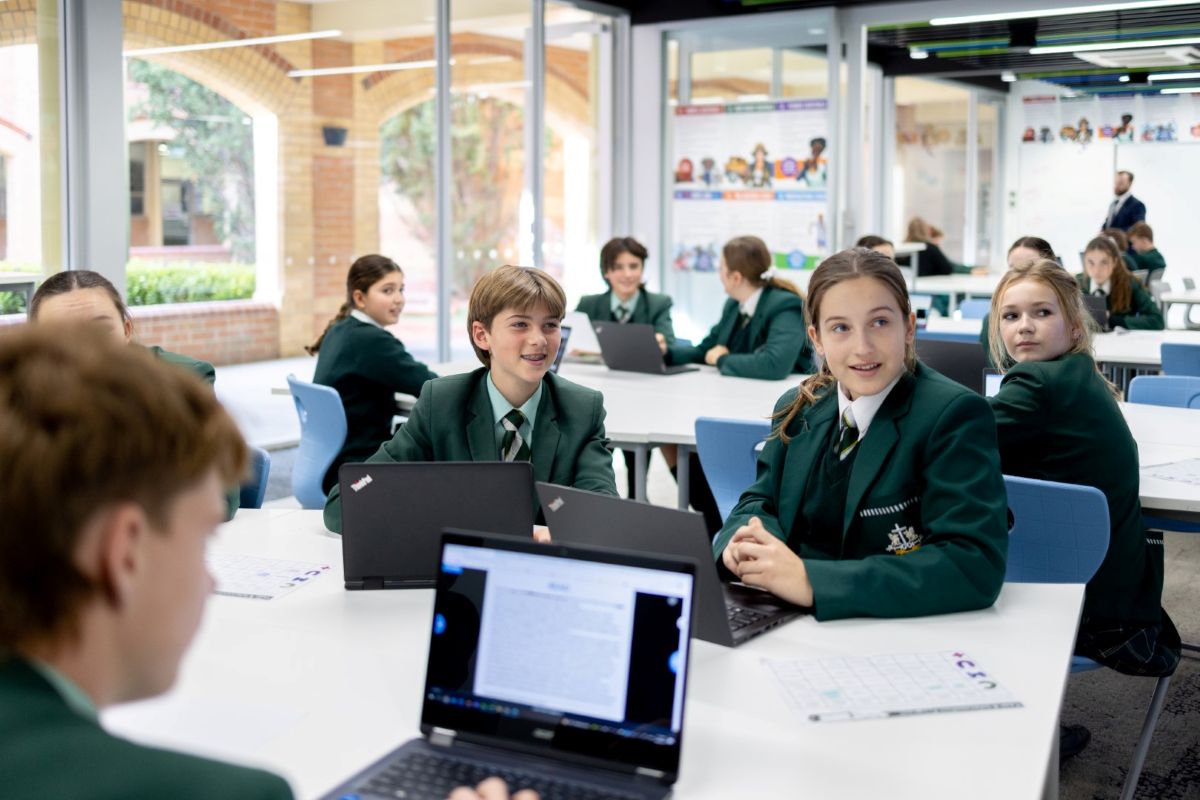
(84,296)
(111,473)
(622,265)
(1129,305)
(761,330)
(931,260)
(512,408)
(1057,419)
(878,244)
(364,362)
(1145,254)
(1027,248)
(879,492)
(1121,240)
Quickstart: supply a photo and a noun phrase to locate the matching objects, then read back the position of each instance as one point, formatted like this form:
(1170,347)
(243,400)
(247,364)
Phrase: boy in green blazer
(622,265)
(1145,255)
(761,333)
(112,465)
(512,408)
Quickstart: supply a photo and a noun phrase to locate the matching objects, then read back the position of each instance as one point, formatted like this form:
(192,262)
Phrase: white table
(1192,298)
(1163,436)
(319,683)
(969,286)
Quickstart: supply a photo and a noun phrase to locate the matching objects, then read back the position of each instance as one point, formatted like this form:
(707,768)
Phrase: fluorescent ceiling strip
(1134,45)
(1181,90)
(1059,12)
(1174,76)
(189,48)
(361,68)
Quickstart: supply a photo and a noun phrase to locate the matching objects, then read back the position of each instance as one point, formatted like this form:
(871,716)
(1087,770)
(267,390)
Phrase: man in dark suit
(1125,211)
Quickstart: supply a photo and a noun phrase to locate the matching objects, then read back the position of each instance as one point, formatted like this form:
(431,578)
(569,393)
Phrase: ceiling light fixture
(189,48)
(359,69)
(1091,48)
(918,54)
(1008,77)
(1174,76)
(1058,12)
(1181,90)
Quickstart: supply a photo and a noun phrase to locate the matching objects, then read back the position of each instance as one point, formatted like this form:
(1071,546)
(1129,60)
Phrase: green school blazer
(651,309)
(452,421)
(1143,313)
(48,750)
(1057,421)
(208,374)
(1149,260)
(777,344)
(924,529)
(366,365)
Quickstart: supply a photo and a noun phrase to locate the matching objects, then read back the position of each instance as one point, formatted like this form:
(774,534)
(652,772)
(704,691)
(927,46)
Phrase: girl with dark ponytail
(364,362)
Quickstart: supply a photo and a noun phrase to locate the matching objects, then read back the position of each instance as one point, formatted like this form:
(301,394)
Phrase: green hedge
(152,283)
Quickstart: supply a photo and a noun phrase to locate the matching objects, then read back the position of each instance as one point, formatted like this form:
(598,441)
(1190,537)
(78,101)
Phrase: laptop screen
(570,650)
(991,382)
(565,330)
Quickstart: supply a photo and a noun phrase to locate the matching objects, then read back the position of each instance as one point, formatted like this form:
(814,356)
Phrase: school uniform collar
(630,304)
(500,407)
(362,316)
(1105,287)
(750,304)
(864,408)
(481,425)
(76,699)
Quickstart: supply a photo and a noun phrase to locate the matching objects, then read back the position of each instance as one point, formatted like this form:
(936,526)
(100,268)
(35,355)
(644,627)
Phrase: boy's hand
(541,534)
(712,355)
(662,342)
(490,789)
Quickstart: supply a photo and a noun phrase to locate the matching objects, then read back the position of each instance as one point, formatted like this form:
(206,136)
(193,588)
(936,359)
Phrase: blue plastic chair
(728,456)
(322,434)
(974,308)
(1176,391)
(1060,534)
(254,489)
(1180,359)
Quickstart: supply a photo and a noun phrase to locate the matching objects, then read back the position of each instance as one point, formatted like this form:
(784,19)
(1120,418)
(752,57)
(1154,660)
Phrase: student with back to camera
(364,362)
(1057,419)
(879,492)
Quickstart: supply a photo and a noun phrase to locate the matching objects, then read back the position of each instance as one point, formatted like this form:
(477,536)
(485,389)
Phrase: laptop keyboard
(740,617)
(423,776)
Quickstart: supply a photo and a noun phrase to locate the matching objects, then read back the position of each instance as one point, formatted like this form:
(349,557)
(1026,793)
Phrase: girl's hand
(491,789)
(761,560)
(662,342)
(712,355)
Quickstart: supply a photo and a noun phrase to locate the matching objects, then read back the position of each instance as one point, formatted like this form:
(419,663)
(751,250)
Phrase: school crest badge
(903,540)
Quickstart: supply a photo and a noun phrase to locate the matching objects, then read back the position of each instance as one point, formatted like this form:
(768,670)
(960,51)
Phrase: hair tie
(770,273)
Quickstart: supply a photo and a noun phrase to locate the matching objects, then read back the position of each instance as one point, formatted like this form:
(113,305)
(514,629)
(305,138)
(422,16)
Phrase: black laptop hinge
(441,737)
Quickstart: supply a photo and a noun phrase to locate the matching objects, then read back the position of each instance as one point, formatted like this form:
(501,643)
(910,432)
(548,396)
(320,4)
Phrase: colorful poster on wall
(756,169)
(1126,118)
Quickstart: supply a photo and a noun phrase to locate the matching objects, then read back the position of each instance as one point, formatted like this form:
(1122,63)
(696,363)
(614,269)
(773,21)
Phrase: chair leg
(1143,745)
(1195,648)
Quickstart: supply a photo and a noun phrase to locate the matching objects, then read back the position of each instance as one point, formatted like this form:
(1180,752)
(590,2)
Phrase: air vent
(1143,57)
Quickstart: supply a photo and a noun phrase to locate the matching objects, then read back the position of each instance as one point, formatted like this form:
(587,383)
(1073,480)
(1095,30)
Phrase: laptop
(727,614)
(1189,285)
(992,379)
(961,362)
(631,347)
(565,331)
(584,347)
(560,669)
(1098,308)
(393,514)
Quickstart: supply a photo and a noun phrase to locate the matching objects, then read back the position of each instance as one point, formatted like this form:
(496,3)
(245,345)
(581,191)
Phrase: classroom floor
(1111,705)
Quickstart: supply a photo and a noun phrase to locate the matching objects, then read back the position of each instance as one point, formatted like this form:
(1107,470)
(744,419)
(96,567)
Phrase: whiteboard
(1065,190)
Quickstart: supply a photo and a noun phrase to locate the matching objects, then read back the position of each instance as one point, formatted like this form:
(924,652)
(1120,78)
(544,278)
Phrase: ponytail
(776,282)
(343,312)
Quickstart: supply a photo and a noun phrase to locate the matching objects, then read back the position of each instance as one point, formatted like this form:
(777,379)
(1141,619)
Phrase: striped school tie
(849,436)
(622,313)
(513,448)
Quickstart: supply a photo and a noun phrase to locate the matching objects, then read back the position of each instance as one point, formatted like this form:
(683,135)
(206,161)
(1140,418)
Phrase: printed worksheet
(1187,471)
(258,578)
(882,686)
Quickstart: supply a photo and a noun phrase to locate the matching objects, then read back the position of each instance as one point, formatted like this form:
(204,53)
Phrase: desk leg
(683,474)
(641,459)
(1050,789)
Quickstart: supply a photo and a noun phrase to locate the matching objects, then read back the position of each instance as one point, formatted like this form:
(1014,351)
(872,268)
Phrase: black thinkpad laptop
(632,347)
(559,669)
(728,614)
(393,514)
(1098,308)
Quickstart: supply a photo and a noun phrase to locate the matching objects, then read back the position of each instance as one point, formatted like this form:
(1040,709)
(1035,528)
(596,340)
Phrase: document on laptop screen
(600,641)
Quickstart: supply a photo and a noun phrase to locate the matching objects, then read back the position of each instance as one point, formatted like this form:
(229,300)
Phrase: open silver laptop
(559,669)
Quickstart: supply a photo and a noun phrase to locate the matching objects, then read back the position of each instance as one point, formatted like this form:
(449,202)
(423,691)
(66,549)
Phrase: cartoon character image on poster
(709,174)
(736,169)
(761,171)
(1067,133)
(683,173)
(1030,135)
(1045,136)
(1083,133)
(814,172)
(1159,133)
(1196,131)
(1124,133)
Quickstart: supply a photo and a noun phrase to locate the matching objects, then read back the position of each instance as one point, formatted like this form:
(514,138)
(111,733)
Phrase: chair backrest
(1180,359)
(322,434)
(974,308)
(1177,391)
(255,488)
(727,454)
(1059,531)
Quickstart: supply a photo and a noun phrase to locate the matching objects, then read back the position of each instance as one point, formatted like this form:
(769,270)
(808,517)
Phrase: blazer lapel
(759,320)
(545,434)
(481,435)
(728,320)
(805,446)
(875,447)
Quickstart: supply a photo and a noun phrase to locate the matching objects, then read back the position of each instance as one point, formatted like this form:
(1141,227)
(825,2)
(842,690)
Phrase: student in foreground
(1057,419)
(879,491)
(761,330)
(364,362)
(84,296)
(112,466)
(512,408)
(1105,274)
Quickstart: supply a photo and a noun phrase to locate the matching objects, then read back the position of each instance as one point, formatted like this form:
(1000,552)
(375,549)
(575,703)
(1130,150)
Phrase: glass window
(987,248)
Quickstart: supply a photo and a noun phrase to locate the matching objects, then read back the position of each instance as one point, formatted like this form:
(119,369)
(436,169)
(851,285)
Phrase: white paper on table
(259,578)
(893,685)
(1187,471)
